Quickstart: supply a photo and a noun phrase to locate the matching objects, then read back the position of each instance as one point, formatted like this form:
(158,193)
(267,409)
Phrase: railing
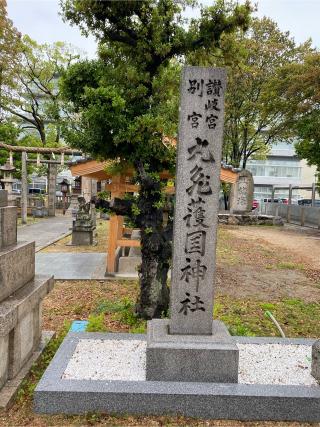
(308,216)
(33,201)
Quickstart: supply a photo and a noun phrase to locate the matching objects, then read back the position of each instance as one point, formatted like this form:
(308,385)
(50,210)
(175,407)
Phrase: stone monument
(242,194)
(315,368)
(21,295)
(82,226)
(191,346)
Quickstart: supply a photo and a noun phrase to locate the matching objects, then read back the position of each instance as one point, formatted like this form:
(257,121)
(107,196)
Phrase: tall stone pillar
(191,346)
(52,183)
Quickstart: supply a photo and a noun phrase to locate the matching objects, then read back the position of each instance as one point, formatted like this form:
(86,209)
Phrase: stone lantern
(7,179)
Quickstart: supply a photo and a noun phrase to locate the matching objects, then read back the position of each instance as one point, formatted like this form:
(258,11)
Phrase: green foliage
(32,96)
(104,195)
(127,101)
(257,114)
(96,323)
(301,85)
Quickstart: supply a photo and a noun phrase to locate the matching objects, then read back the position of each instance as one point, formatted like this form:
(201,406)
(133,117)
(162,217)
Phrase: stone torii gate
(52,177)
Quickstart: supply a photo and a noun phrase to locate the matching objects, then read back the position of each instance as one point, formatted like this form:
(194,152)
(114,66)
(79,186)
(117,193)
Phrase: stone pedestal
(315,367)
(83,227)
(82,237)
(191,358)
(73,206)
(21,295)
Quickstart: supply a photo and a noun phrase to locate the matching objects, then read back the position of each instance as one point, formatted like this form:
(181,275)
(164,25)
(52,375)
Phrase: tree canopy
(125,105)
(257,115)
(301,83)
(9,50)
(32,96)
(127,101)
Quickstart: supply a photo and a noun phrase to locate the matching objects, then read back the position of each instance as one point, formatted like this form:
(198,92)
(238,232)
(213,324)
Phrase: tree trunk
(153,300)
(156,246)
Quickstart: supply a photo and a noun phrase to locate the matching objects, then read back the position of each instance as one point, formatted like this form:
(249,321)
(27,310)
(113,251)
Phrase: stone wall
(249,219)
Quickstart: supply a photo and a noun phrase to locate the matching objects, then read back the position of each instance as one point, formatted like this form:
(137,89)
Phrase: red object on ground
(255,204)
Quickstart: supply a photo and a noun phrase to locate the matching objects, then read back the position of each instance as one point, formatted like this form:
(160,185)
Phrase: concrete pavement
(45,231)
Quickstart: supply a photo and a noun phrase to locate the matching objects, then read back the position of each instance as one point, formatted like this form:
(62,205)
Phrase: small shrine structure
(118,186)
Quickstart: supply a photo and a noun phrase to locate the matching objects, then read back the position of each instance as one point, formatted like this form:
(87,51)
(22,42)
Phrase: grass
(290,266)
(247,317)
(30,220)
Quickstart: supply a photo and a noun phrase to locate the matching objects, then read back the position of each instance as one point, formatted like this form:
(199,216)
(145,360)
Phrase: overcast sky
(41,21)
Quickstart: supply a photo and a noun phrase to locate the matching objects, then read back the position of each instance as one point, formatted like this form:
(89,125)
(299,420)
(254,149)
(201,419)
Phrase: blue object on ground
(78,326)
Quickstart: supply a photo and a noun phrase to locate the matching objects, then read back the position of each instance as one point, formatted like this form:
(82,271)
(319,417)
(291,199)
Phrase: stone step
(20,325)
(17,267)
(8,226)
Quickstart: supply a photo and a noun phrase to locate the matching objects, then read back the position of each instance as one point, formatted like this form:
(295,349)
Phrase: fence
(33,202)
(308,216)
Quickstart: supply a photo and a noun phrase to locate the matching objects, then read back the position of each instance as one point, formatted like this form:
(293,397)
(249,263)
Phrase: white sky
(40,20)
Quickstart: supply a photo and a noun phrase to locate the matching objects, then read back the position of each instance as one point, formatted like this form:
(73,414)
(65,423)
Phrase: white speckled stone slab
(125,360)
(108,360)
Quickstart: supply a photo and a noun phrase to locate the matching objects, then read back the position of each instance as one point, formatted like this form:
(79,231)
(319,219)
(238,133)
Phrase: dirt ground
(301,241)
(269,263)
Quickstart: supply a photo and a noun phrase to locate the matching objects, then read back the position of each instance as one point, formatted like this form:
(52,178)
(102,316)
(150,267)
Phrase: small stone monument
(39,211)
(315,367)
(21,295)
(82,226)
(191,346)
(242,194)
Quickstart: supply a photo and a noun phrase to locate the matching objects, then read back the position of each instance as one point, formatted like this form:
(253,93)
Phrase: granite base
(192,358)
(55,395)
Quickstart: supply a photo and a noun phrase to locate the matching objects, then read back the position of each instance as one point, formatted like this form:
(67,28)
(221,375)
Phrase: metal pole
(272,195)
(64,203)
(290,195)
(24,187)
(313,196)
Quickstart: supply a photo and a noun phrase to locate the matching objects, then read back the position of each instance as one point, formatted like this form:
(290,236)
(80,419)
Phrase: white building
(281,168)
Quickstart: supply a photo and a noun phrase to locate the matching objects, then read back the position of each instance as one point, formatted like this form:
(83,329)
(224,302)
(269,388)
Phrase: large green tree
(9,51)
(32,96)
(301,82)
(126,103)
(257,115)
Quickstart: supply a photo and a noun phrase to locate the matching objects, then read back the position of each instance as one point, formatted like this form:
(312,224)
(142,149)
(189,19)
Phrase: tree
(9,49)
(301,83)
(256,114)
(33,96)
(126,103)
